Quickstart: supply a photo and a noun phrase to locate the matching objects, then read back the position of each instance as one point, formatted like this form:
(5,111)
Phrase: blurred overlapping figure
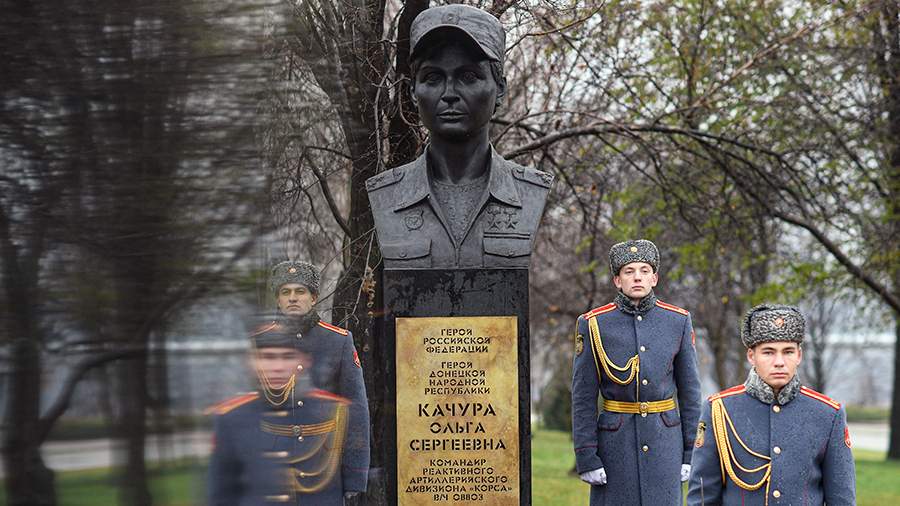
(303,437)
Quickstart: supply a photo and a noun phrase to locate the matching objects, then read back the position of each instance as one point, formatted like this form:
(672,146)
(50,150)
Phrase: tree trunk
(894,440)
(28,481)
(358,295)
(889,67)
(134,489)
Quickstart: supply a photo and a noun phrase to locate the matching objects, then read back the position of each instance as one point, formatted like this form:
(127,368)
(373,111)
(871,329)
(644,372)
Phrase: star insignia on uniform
(292,270)
(779,322)
(579,344)
(493,220)
(511,218)
(633,249)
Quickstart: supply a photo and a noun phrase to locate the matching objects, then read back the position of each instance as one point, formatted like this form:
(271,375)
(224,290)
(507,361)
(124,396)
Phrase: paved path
(91,453)
(72,455)
(869,436)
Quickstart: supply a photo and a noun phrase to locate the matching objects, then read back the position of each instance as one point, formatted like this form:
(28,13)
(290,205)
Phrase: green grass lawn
(877,481)
(178,484)
(182,484)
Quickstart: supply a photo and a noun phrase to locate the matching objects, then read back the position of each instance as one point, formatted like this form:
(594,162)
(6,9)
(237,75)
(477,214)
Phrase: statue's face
(455,92)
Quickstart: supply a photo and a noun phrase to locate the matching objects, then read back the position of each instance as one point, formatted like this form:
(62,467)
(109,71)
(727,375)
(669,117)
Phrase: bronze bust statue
(460,205)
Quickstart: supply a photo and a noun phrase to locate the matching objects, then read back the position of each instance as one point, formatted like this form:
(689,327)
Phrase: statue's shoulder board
(385,178)
(533,176)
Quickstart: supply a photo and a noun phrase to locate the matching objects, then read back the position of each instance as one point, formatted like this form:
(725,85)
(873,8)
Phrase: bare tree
(125,193)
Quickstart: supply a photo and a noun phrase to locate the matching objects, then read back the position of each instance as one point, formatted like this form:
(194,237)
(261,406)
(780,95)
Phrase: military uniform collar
(416,182)
(761,391)
(300,323)
(643,307)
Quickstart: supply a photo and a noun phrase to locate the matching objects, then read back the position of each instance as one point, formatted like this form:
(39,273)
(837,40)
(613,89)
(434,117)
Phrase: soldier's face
(455,91)
(776,363)
(295,299)
(636,279)
(277,365)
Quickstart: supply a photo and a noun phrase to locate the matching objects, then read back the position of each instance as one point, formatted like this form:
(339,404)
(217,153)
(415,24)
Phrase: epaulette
(809,392)
(343,332)
(230,404)
(670,307)
(599,310)
(533,176)
(739,389)
(383,179)
(262,329)
(328,396)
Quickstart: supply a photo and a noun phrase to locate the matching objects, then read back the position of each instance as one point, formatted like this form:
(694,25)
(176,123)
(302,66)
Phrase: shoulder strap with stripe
(809,392)
(230,404)
(334,328)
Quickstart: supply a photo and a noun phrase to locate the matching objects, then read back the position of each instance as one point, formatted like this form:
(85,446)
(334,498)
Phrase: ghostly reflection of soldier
(333,366)
(336,366)
(286,442)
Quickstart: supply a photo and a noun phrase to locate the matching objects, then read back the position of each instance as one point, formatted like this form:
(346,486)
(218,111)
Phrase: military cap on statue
(639,250)
(483,28)
(772,322)
(290,271)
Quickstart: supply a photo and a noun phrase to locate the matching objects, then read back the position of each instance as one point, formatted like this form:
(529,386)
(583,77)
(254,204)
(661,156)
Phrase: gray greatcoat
(336,368)
(812,464)
(642,456)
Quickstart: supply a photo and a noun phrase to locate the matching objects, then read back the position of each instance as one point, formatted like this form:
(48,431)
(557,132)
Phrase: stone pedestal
(458,396)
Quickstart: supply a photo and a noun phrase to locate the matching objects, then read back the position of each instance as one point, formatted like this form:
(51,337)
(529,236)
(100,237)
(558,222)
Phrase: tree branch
(329,198)
(835,251)
(61,403)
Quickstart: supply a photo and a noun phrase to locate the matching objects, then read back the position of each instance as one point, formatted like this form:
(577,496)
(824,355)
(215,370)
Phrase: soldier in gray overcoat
(772,440)
(638,353)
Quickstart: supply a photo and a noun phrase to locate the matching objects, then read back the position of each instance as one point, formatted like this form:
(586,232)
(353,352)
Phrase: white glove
(595,477)
(685,472)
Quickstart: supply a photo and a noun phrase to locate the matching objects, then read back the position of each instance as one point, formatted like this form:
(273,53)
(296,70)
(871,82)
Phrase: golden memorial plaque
(457,411)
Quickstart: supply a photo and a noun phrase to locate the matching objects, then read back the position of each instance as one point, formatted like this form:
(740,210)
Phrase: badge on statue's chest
(414,219)
(501,218)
